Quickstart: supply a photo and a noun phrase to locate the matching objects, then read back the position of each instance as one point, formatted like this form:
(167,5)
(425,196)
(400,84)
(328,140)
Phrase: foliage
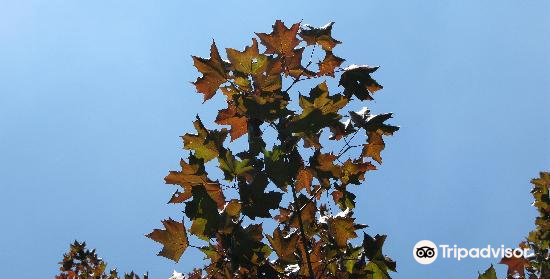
(81,263)
(297,174)
(538,240)
(537,264)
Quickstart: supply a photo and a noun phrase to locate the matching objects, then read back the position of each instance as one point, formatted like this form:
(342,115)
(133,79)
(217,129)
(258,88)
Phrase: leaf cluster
(82,263)
(297,181)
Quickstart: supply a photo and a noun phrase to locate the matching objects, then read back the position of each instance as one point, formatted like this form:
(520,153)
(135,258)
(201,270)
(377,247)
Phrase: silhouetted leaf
(357,81)
(321,36)
(257,202)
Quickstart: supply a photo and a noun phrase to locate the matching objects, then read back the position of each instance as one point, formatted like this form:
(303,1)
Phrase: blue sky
(95,94)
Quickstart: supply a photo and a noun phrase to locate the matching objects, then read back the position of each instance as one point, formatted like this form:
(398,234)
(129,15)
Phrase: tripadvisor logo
(426,252)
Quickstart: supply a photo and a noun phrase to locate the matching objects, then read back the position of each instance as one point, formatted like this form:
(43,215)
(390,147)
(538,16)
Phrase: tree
(296,178)
(81,263)
(298,174)
(537,264)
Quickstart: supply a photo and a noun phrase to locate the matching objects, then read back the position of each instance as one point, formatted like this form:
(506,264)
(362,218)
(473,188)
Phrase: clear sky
(95,94)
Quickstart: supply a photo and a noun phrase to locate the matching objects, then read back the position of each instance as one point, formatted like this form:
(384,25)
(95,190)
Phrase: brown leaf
(375,144)
(230,116)
(214,71)
(515,265)
(353,171)
(174,239)
(304,179)
(283,246)
(281,40)
(329,63)
(293,65)
(342,230)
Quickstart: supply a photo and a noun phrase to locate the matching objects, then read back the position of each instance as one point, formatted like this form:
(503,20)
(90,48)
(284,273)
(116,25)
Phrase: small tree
(315,223)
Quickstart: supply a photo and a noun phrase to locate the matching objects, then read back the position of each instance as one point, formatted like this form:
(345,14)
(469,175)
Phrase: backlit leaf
(207,144)
(214,71)
(281,40)
(173,238)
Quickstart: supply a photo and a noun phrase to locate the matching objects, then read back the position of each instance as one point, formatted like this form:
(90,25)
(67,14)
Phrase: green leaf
(319,110)
(379,264)
(206,144)
(203,211)
(233,168)
(249,61)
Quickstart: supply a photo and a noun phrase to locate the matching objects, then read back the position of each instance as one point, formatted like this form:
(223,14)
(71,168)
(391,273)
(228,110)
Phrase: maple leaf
(284,246)
(516,265)
(373,122)
(357,81)
(353,171)
(319,110)
(342,229)
(341,129)
(304,179)
(206,144)
(329,64)
(379,264)
(293,65)
(343,198)
(281,168)
(375,145)
(264,106)
(203,211)
(249,61)
(490,273)
(231,116)
(192,174)
(307,212)
(281,40)
(245,247)
(321,36)
(233,208)
(173,238)
(323,164)
(256,202)
(233,168)
(214,71)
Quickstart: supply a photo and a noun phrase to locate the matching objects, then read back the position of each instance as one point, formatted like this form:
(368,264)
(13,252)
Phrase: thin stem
(311,199)
(302,233)
(297,79)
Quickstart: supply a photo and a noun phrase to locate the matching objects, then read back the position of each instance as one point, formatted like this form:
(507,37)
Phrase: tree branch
(305,243)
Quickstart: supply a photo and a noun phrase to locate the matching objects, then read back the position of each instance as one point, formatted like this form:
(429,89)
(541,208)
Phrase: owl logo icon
(425,252)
